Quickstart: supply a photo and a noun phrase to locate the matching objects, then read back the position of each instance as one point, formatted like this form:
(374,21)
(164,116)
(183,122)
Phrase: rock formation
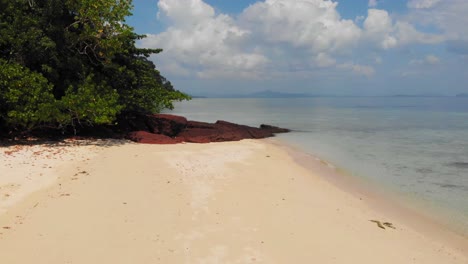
(172,129)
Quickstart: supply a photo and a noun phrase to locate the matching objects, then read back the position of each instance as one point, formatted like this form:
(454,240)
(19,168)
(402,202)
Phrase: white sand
(237,202)
(25,169)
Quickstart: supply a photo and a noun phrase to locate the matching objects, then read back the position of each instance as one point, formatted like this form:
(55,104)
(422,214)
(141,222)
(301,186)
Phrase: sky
(322,47)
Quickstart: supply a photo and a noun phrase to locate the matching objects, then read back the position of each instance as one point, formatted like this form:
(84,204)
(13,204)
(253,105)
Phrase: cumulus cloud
(449,16)
(310,24)
(266,33)
(407,34)
(373,3)
(182,12)
(358,19)
(272,36)
(203,42)
(381,29)
(422,4)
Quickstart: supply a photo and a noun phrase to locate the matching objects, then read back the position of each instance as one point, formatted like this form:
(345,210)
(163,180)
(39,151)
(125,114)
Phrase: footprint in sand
(6,191)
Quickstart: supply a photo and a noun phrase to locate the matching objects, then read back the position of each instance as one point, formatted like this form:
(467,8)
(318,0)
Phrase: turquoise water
(416,147)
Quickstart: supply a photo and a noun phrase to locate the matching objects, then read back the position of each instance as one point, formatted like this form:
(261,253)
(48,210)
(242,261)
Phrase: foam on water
(417,147)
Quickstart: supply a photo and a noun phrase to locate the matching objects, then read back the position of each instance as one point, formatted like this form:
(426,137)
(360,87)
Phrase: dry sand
(237,202)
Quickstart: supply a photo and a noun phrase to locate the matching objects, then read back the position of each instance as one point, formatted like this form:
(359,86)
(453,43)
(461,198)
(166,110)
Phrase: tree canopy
(72,63)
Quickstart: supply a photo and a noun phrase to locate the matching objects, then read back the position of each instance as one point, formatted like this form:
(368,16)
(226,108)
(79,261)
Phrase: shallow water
(415,146)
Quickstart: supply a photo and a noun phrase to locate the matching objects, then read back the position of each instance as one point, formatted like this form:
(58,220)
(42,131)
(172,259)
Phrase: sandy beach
(233,202)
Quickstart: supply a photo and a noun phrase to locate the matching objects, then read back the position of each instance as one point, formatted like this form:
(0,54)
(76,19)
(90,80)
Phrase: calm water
(416,147)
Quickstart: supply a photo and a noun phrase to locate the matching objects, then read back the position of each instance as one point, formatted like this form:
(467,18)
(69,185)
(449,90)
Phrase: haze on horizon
(347,47)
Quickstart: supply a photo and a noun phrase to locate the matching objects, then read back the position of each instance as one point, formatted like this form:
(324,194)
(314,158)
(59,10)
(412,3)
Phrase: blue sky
(348,47)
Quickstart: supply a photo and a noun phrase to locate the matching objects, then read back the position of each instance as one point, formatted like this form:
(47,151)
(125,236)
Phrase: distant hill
(418,95)
(265,94)
(272,94)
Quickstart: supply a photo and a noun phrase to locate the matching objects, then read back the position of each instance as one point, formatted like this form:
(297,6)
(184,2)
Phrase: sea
(414,147)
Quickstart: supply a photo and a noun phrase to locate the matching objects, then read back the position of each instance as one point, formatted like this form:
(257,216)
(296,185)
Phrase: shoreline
(394,200)
(246,201)
(381,198)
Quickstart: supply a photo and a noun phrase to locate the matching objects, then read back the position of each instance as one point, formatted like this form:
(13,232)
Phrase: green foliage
(89,104)
(102,32)
(71,63)
(140,86)
(25,97)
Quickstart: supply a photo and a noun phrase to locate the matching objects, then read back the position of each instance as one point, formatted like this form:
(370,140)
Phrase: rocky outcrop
(169,125)
(150,138)
(274,129)
(172,129)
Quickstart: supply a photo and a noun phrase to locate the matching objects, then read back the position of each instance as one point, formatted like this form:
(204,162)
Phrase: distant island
(261,94)
(274,94)
(418,95)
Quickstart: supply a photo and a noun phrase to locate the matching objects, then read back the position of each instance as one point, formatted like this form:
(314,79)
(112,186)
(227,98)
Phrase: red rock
(197,124)
(274,129)
(150,138)
(200,132)
(171,129)
(169,125)
(242,131)
(199,135)
(259,133)
(232,132)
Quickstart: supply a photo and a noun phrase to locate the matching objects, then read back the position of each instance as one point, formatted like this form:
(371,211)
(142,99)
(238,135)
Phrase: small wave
(452,186)
(301,131)
(385,107)
(424,170)
(460,165)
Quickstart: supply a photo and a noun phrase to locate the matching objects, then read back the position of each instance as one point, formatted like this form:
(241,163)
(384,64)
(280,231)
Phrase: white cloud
(358,19)
(211,45)
(422,4)
(407,34)
(364,70)
(183,12)
(202,42)
(428,60)
(379,28)
(373,3)
(324,60)
(449,16)
(314,25)
(272,37)
(377,21)
(382,29)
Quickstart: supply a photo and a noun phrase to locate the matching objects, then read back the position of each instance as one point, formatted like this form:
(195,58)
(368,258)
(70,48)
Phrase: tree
(25,97)
(73,63)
